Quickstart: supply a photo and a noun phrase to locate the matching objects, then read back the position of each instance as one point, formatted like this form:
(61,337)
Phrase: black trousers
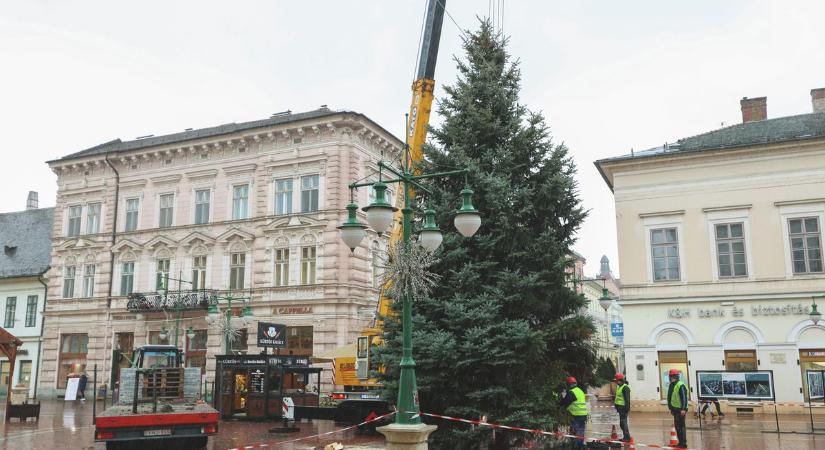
(623,422)
(716,404)
(681,429)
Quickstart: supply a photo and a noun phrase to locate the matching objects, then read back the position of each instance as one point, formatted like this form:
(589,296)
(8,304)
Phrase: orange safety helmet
(618,377)
(674,373)
(571,380)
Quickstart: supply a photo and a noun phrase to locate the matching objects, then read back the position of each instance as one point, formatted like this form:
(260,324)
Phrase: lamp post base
(406,437)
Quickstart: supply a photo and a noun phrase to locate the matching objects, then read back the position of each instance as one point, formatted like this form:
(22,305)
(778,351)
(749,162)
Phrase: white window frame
(246,214)
(742,216)
(69,219)
(126,213)
(312,277)
(664,221)
(202,273)
(157,208)
(798,211)
(301,192)
(159,272)
(290,198)
(283,280)
(120,278)
(194,219)
(99,217)
(73,278)
(245,271)
(89,281)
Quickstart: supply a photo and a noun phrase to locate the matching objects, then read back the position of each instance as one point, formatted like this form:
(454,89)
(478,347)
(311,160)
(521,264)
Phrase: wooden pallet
(166,383)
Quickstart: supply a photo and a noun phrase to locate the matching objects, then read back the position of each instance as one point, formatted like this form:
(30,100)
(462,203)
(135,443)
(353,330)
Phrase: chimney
(754,109)
(31,202)
(818,99)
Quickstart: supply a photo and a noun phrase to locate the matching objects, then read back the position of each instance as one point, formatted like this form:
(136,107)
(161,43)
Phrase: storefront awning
(339,352)
(8,347)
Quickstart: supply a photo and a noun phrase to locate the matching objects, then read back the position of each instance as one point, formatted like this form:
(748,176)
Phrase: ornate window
(127,277)
(162,274)
(237,267)
(88,280)
(283,196)
(240,202)
(199,272)
(68,281)
(75,212)
(309,193)
(132,206)
(166,210)
(93,218)
(202,206)
(308,264)
(281,267)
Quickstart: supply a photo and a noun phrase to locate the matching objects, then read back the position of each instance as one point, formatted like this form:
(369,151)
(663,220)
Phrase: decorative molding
(677,212)
(727,208)
(200,174)
(174,178)
(799,202)
(190,240)
(126,244)
(239,169)
(160,240)
(226,236)
(133,184)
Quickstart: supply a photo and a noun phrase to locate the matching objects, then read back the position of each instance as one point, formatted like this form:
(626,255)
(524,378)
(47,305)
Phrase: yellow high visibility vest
(619,401)
(579,406)
(675,398)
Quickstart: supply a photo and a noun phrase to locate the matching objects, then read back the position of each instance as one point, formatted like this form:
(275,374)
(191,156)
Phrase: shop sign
(617,329)
(288,361)
(285,310)
(271,335)
(756,310)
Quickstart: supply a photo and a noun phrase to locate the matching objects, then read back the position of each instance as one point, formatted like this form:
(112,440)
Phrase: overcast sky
(608,75)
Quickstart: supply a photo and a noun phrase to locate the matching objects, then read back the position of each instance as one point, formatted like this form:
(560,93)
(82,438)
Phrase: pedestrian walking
(677,401)
(576,404)
(81,386)
(706,404)
(622,402)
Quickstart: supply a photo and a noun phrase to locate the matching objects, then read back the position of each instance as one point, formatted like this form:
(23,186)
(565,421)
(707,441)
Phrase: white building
(25,257)
(720,248)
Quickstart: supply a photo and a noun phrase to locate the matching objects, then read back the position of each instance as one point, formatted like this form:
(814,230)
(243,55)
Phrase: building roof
(117,145)
(763,132)
(25,242)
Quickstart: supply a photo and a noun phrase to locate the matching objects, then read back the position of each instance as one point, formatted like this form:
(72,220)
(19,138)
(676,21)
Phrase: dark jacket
(568,398)
(626,395)
(81,384)
(683,396)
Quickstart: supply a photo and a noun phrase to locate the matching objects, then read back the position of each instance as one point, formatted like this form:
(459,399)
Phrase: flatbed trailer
(179,425)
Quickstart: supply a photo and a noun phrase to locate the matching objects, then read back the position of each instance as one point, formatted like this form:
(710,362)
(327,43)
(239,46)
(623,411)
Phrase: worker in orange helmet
(576,404)
(622,403)
(677,401)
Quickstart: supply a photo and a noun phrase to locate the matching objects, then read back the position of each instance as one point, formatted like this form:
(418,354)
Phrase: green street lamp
(606,300)
(352,231)
(467,220)
(430,236)
(380,216)
(380,213)
(190,333)
(213,315)
(814,315)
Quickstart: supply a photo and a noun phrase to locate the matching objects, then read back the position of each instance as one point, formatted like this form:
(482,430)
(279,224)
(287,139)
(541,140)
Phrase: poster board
(816,384)
(751,385)
(71,389)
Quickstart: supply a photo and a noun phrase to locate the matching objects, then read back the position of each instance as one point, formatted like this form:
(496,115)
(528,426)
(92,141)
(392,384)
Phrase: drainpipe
(42,325)
(106,354)
(114,231)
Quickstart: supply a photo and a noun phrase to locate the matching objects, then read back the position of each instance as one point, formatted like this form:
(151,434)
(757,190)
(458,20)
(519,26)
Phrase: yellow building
(719,239)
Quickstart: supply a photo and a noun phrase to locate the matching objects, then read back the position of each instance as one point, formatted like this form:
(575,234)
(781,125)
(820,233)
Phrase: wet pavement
(69,425)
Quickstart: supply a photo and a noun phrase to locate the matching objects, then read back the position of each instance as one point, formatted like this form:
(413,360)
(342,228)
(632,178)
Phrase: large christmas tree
(502,329)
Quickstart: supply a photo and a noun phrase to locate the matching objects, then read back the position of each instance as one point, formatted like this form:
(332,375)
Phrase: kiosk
(253,386)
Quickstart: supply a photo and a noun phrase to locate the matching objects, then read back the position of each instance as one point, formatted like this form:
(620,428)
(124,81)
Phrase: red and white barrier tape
(556,434)
(274,444)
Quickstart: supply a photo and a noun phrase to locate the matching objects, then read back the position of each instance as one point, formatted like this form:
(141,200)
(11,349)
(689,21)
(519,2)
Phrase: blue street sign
(617,329)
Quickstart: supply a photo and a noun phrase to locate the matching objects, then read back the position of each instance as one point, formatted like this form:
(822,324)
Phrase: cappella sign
(271,335)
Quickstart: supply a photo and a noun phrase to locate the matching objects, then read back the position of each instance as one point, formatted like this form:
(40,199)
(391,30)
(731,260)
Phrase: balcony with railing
(171,300)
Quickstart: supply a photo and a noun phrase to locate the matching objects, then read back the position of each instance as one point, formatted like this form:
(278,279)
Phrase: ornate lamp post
(379,217)
(164,333)
(814,315)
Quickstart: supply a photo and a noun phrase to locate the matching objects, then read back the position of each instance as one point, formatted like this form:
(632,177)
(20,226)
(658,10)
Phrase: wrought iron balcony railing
(172,300)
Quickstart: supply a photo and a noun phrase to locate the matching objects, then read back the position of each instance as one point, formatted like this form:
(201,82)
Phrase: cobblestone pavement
(69,425)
